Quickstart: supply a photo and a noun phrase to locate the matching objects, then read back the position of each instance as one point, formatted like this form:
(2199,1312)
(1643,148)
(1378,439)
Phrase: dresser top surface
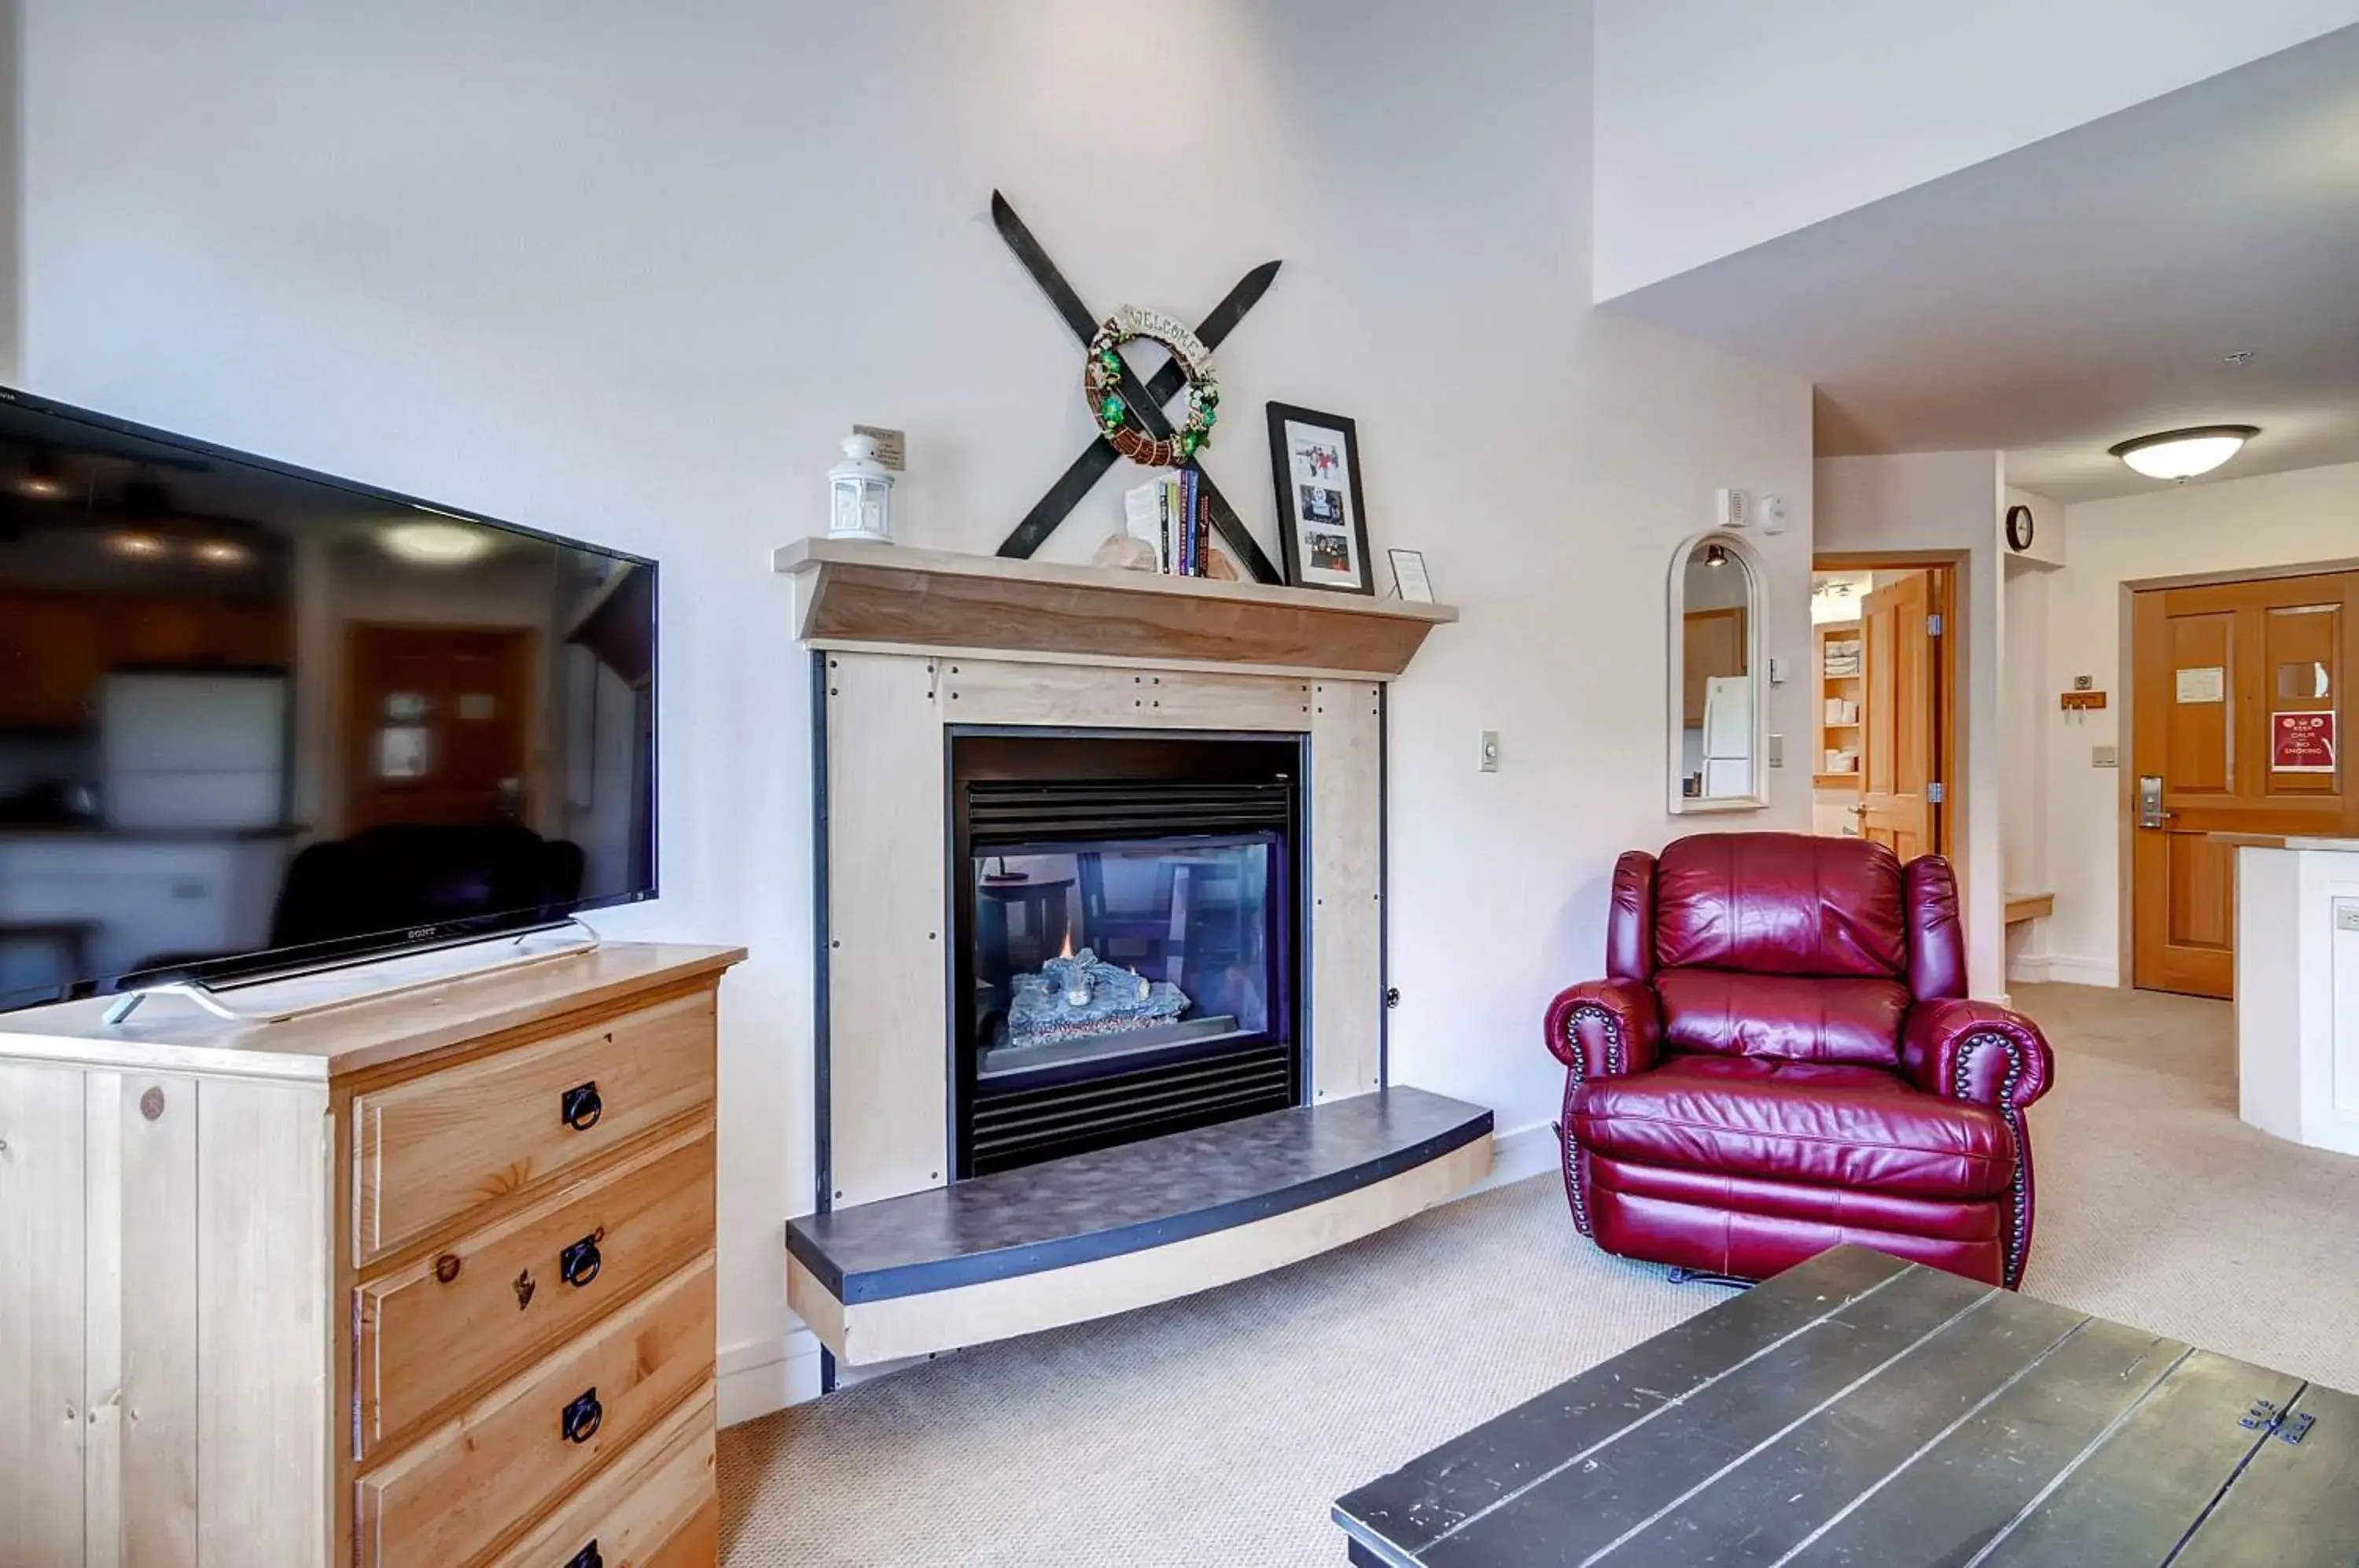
(440,1004)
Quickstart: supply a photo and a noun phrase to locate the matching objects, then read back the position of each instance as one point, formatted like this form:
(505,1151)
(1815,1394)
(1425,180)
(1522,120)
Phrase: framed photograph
(1409,581)
(1315,459)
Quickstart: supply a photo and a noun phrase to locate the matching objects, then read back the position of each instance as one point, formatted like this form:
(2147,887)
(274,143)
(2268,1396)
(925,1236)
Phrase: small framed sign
(1314,459)
(1409,581)
(2301,743)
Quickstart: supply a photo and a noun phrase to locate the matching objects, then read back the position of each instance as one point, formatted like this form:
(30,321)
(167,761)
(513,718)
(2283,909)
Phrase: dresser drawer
(654,1508)
(428,1150)
(440,1325)
(445,1499)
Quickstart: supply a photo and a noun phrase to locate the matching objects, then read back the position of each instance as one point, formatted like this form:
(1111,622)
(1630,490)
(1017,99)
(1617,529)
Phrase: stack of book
(1174,516)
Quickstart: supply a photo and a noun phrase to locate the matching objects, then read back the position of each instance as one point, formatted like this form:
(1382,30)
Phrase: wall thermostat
(1731,509)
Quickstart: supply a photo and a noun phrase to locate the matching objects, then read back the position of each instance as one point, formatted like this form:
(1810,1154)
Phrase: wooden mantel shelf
(861,594)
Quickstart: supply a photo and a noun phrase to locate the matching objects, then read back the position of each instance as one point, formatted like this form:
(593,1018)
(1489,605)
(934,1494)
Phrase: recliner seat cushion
(1855,1020)
(1827,1124)
(1781,904)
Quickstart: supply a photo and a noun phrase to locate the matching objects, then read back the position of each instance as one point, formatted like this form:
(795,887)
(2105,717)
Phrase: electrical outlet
(2104,756)
(1490,763)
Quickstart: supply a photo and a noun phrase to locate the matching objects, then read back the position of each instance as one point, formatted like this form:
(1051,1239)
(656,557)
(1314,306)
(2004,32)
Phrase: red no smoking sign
(2301,743)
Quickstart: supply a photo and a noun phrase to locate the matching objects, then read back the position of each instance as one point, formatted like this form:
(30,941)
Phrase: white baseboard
(1516,1156)
(2071,969)
(2028,970)
(760,1377)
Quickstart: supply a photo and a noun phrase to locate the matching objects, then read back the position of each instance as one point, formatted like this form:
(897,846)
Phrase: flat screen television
(254,719)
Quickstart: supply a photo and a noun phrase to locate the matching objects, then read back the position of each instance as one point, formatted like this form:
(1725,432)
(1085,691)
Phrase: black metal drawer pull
(581,1107)
(587,1558)
(581,1419)
(579,1264)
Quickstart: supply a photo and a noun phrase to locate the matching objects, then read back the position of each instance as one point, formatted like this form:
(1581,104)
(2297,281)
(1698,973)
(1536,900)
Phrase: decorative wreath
(1102,378)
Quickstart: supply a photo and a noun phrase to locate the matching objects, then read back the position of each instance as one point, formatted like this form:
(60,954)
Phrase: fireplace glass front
(1127,936)
(1120,955)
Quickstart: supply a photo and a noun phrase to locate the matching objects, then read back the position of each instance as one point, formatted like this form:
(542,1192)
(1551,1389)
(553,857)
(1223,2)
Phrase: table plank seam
(1856,1384)
(2088,1450)
(1931,1443)
(1674,1403)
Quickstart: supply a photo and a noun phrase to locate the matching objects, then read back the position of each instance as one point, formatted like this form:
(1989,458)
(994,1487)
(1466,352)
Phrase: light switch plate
(2104,756)
(1777,751)
(1490,751)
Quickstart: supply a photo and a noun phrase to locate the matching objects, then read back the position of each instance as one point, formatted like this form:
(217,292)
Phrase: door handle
(2150,811)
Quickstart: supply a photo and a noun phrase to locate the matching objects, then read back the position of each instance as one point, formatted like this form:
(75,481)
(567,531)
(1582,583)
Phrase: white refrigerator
(1727,736)
(193,751)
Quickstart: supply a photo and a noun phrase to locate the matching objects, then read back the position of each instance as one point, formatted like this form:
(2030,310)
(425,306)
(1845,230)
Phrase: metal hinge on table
(2268,1416)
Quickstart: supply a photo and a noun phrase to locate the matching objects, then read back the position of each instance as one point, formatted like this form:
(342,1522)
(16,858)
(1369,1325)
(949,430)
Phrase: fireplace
(1126,937)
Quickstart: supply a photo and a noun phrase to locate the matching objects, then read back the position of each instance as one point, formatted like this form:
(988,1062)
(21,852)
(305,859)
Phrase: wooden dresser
(423,1283)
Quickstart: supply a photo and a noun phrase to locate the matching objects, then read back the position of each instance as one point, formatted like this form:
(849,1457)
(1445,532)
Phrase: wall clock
(2019,527)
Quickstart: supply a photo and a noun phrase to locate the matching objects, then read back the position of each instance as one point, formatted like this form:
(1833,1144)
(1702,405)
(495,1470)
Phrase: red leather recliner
(1782,1058)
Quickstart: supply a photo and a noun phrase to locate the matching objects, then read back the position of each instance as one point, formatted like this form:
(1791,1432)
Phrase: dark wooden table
(1858,1410)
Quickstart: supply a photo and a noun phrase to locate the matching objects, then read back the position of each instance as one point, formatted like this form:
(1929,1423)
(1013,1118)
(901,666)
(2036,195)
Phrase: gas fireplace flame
(1068,952)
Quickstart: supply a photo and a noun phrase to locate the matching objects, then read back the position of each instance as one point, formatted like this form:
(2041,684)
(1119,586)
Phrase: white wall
(1722,124)
(629,272)
(1946,501)
(2305,516)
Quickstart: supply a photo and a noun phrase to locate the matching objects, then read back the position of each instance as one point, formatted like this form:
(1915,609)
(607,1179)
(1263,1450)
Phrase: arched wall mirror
(1718,737)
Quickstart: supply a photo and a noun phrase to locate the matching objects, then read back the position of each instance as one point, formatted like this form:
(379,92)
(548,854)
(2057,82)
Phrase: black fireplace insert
(1127,932)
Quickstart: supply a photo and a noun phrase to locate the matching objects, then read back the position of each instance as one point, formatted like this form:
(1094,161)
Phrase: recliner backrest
(1781,904)
(1788,905)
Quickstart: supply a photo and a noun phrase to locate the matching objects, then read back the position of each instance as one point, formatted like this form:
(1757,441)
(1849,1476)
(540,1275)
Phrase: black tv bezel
(263,964)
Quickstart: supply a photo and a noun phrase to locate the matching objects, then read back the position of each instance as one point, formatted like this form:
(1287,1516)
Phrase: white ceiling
(2084,290)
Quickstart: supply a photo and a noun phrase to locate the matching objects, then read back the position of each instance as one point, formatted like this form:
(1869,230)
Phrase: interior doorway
(1885,687)
(435,725)
(2234,692)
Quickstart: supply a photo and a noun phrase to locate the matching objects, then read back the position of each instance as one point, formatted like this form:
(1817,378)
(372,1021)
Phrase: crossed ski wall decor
(1145,400)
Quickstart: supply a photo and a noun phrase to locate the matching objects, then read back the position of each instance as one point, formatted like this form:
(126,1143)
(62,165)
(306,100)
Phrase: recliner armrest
(1606,1029)
(1978,1052)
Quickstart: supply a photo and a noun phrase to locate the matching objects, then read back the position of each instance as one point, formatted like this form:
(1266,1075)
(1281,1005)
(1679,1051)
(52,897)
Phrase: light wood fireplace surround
(911,646)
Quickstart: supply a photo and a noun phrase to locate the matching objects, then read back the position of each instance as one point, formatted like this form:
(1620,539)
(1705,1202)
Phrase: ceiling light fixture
(2182,454)
(43,480)
(436,544)
(223,553)
(137,545)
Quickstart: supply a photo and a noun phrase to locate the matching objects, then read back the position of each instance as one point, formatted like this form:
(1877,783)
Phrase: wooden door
(2213,669)
(436,726)
(1715,646)
(1899,713)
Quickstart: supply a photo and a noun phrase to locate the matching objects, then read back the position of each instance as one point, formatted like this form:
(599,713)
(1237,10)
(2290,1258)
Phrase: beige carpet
(1217,1430)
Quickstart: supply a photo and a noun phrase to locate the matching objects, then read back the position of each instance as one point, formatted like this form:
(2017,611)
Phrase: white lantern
(863,493)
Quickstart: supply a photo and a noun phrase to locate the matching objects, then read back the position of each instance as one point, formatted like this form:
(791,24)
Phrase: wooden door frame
(1946,567)
(2126,733)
